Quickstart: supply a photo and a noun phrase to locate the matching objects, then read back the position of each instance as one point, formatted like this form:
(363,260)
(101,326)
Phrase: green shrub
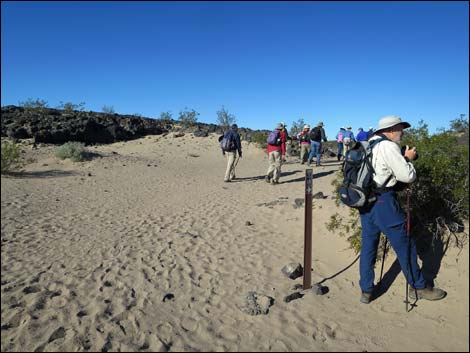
(297,126)
(439,198)
(74,150)
(260,138)
(225,119)
(166,119)
(188,118)
(10,156)
(70,107)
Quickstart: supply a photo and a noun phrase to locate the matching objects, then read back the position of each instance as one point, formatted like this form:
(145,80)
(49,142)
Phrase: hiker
(286,137)
(339,140)
(370,133)
(231,152)
(304,140)
(361,135)
(276,153)
(392,169)
(316,137)
(348,139)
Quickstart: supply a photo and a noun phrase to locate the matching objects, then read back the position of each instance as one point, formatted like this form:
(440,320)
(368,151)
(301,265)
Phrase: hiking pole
(383,259)
(408,245)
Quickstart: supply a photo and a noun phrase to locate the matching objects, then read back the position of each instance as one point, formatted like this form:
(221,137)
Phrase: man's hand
(410,153)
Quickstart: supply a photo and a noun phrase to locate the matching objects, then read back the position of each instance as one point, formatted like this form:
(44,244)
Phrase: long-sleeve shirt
(236,138)
(387,160)
(348,133)
(362,136)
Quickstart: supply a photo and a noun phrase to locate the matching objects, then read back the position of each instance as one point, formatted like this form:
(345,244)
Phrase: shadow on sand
(41,174)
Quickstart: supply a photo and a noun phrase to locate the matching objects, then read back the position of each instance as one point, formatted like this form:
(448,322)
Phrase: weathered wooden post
(308,230)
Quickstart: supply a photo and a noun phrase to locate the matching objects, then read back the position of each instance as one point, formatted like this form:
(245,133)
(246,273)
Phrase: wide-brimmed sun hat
(320,124)
(279,126)
(306,127)
(390,121)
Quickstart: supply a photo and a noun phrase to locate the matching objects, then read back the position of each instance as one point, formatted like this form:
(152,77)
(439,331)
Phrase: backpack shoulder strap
(376,141)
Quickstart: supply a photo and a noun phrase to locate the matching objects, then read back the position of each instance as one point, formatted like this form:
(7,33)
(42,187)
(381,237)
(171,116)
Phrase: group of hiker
(345,139)
(311,143)
(391,170)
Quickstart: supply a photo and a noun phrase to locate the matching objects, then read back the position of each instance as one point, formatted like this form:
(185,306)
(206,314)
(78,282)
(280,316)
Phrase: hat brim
(403,123)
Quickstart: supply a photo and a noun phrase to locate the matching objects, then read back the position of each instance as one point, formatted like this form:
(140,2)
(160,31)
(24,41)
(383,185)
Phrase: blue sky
(343,63)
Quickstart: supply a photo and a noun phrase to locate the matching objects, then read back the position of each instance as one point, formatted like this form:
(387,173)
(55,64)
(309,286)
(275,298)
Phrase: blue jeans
(387,217)
(315,151)
(340,150)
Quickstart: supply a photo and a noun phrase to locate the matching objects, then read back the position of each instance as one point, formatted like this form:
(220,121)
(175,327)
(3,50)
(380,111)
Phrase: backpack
(347,141)
(340,137)
(227,143)
(359,188)
(274,138)
(315,134)
(305,137)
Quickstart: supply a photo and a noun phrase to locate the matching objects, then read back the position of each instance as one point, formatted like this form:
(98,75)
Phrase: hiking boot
(227,180)
(427,293)
(267,179)
(366,297)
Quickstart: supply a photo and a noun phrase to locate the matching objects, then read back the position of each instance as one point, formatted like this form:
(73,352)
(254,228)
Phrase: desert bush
(297,126)
(225,119)
(37,106)
(11,156)
(439,202)
(108,109)
(260,138)
(188,117)
(74,150)
(166,117)
(439,199)
(69,107)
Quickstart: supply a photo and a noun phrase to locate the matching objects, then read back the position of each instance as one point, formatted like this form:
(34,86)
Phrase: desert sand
(145,248)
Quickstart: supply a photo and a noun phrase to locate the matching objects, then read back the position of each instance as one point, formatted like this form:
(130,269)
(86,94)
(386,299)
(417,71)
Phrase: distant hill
(47,125)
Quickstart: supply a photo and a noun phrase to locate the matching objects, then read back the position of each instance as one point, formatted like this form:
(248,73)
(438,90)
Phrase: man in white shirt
(386,216)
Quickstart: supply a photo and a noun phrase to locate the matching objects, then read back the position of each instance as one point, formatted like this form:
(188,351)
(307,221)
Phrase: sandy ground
(145,248)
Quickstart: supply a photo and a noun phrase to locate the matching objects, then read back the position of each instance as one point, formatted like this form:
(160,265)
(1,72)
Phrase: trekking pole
(383,259)
(408,245)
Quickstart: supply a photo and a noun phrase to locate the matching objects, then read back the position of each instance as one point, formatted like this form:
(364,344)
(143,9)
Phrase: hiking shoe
(427,293)
(227,180)
(366,297)
(267,179)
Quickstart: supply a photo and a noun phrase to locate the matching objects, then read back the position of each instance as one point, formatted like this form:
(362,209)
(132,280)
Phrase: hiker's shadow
(315,176)
(388,279)
(431,252)
(253,178)
(261,177)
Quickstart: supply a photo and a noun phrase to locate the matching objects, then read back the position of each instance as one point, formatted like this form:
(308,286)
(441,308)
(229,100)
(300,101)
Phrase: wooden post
(308,230)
